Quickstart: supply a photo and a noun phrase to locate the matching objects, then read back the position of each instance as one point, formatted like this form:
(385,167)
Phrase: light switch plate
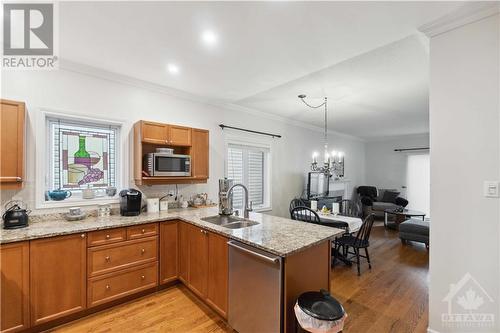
(490,189)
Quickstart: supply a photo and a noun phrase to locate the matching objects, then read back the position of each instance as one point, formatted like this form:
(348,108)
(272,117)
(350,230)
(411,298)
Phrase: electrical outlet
(490,189)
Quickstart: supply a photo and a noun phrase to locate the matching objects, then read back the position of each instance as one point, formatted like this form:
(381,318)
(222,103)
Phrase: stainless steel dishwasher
(255,293)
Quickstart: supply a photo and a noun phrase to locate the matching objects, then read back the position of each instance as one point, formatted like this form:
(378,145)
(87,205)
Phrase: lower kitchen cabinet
(14,263)
(57,277)
(183,239)
(217,272)
(198,260)
(204,263)
(169,257)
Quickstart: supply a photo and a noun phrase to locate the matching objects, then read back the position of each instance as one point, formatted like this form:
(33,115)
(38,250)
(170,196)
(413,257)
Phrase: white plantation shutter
(247,165)
(256,177)
(235,172)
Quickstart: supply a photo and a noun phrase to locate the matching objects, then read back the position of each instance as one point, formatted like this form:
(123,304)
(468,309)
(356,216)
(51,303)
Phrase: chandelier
(333,164)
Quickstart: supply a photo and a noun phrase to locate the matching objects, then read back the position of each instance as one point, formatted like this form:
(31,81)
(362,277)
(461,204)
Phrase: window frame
(253,142)
(42,134)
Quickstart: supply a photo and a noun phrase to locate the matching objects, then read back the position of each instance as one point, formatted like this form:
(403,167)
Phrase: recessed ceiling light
(209,37)
(173,69)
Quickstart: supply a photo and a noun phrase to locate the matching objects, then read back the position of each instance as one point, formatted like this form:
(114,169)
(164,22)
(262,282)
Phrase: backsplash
(27,195)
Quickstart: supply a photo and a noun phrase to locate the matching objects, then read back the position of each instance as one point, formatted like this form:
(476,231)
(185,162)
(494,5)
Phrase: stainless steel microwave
(168,165)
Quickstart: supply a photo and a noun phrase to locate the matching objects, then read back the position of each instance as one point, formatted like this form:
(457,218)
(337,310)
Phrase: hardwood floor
(392,297)
(173,310)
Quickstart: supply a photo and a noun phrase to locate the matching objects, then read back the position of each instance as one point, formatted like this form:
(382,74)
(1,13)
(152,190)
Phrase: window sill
(77,202)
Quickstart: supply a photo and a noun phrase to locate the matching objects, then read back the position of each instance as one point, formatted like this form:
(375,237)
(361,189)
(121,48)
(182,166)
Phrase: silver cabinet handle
(108,236)
(269,259)
(82,235)
(108,287)
(143,251)
(107,258)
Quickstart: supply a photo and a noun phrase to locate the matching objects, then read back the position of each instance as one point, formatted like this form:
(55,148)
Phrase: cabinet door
(168,251)
(14,287)
(57,277)
(179,135)
(11,144)
(154,132)
(200,153)
(217,272)
(184,252)
(198,260)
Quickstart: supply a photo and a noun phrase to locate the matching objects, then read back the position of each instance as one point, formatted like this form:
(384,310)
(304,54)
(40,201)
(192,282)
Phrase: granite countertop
(276,235)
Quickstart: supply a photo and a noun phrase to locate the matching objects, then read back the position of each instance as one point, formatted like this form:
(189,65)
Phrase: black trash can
(319,312)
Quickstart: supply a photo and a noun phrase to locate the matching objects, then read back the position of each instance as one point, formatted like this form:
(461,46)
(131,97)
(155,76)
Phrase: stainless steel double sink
(229,221)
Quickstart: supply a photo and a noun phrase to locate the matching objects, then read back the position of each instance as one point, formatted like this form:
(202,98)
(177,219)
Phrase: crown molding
(470,12)
(99,73)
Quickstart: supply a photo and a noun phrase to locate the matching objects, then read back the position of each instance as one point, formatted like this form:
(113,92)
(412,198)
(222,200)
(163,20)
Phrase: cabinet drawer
(141,231)
(113,286)
(109,236)
(109,258)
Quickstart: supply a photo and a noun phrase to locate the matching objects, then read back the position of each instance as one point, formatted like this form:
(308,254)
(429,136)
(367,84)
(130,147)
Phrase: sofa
(376,201)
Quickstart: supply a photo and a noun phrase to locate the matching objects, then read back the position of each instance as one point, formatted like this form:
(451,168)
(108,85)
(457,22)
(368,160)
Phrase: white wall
(386,168)
(465,151)
(77,93)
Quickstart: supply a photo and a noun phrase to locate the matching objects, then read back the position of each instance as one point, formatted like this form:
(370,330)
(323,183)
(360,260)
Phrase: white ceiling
(268,52)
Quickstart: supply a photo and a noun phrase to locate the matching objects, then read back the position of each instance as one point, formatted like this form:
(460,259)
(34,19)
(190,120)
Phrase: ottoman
(414,230)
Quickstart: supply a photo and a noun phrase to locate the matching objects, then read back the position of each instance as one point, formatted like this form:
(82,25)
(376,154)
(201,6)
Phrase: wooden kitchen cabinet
(198,260)
(12,127)
(200,153)
(184,252)
(154,132)
(218,272)
(14,306)
(179,135)
(169,257)
(165,134)
(57,277)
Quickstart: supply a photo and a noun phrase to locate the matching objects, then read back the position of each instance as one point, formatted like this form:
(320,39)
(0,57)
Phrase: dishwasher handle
(273,260)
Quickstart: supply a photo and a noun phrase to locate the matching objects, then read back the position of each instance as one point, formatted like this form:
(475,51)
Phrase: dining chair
(296,202)
(358,242)
(305,214)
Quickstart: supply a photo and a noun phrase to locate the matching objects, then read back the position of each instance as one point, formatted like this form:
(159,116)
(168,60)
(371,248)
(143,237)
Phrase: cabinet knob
(108,236)
(143,277)
(108,258)
(108,287)
(143,230)
(82,235)
(143,251)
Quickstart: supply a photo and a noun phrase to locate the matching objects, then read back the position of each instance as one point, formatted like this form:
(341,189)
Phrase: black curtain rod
(251,131)
(410,149)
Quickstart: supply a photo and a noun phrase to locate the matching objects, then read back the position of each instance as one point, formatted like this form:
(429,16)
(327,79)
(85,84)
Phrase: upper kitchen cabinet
(165,134)
(200,153)
(191,145)
(179,135)
(12,124)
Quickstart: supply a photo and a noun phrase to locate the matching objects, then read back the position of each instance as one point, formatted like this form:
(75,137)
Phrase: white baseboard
(429,330)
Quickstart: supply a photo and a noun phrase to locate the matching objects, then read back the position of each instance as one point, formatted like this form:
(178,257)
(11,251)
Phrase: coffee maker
(130,202)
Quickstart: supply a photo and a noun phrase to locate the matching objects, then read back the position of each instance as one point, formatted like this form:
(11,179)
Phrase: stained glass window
(81,155)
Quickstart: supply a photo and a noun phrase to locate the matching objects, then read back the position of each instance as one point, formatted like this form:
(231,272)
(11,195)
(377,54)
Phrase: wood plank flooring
(392,297)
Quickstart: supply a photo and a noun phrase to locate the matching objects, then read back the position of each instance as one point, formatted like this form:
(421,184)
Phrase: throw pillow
(390,196)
